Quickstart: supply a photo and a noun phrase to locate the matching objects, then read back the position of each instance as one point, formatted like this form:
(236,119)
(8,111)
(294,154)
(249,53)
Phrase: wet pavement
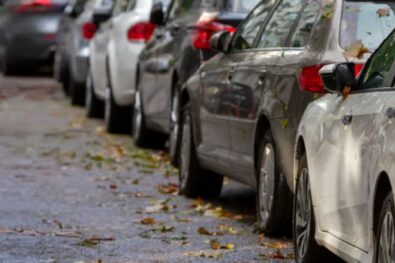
(69,192)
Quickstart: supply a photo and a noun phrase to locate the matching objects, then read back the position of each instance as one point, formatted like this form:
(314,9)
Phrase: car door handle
(390,113)
(347,120)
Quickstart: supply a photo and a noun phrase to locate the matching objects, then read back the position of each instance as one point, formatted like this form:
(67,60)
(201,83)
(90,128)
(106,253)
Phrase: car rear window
(366,23)
(239,6)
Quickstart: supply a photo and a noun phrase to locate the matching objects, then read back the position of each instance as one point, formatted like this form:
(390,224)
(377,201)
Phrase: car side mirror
(157,16)
(336,77)
(101,16)
(220,41)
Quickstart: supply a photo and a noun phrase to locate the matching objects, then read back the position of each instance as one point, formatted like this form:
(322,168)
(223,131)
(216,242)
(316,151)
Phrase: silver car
(71,59)
(344,164)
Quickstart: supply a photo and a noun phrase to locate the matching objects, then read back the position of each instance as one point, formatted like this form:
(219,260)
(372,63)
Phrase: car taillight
(88,30)
(141,32)
(358,69)
(205,30)
(33,6)
(310,79)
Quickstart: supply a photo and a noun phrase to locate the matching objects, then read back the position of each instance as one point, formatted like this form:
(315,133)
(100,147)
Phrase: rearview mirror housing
(220,41)
(157,15)
(338,76)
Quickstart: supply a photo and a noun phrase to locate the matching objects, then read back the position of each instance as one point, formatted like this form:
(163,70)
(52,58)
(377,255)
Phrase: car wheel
(274,201)
(77,92)
(193,181)
(174,139)
(385,246)
(117,118)
(94,106)
(306,248)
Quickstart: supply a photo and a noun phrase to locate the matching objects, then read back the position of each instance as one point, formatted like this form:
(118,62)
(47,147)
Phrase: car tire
(274,198)
(193,181)
(77,92)
(117,118)
(386,232)
(306,248)
(94,106)
(174,137)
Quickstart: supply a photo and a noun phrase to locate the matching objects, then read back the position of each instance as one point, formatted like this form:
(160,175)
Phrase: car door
(169,42)
(263,68)
(352,132)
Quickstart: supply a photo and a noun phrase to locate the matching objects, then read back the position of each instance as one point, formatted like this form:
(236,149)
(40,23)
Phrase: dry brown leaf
(169,188)
(148,221)
(204,231)
(382,12)
(356,50)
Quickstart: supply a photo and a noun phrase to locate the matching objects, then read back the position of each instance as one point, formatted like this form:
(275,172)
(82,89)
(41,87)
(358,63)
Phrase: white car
(345,164)
(115,49)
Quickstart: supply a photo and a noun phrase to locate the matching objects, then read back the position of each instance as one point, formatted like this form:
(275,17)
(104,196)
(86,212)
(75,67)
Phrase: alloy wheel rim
(185,152)
(137,116)
(174,125)
(386,248)
(266,182)
(303,214)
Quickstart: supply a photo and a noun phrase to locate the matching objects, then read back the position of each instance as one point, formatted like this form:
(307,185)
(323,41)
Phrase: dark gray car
(28,32)
(241,110)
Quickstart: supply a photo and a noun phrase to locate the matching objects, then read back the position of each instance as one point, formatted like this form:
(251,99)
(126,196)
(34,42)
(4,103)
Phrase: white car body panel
(122,54)
(345,162)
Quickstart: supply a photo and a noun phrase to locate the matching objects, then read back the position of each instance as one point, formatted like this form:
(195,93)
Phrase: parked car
(344,172)
(113,63)
(76,30)
(24,41)
(241,109)
(179,47)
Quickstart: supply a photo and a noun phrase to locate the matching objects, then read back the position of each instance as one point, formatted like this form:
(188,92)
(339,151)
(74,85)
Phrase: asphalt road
(69,192)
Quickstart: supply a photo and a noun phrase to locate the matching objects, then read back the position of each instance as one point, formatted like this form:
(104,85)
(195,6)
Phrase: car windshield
(240,6)
(366,23)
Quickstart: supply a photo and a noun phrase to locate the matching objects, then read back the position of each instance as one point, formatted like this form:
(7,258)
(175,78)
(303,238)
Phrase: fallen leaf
(148,221)
(356,50)
(169,188)
(204,231)
(382,12)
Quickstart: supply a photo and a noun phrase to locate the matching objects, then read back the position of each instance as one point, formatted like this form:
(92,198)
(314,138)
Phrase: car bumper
(79,65)
(31,48)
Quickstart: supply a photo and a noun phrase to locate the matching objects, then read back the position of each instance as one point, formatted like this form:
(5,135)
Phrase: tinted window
(239,6)
(280,24)
(305,24)
(248,31)
(379,64)
(367,22)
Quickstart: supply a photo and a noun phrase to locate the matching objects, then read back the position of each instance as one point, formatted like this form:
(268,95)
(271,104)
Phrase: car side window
(247,32)
(379,65)
(280,24)
(306,24)
(180,7)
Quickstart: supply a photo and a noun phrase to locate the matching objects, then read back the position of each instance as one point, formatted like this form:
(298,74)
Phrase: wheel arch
(381,190)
